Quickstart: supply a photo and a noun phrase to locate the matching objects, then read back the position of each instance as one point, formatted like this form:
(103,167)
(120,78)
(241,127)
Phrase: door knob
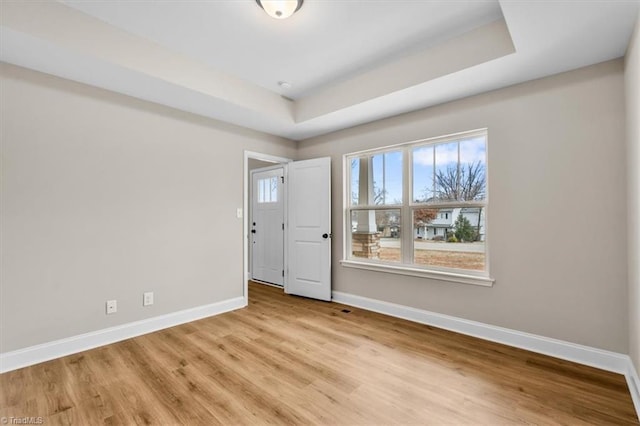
(253,231)
(325,236)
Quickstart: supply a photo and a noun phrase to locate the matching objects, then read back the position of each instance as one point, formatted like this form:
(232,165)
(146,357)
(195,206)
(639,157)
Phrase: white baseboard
(70,345)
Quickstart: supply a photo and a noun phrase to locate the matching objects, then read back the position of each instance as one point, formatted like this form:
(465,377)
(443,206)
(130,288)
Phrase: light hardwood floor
(289,360)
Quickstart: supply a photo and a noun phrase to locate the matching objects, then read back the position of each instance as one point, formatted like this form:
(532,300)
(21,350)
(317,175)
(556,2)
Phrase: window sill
(418,272)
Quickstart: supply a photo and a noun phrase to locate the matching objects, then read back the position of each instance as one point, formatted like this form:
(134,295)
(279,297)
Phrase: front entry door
(267,225)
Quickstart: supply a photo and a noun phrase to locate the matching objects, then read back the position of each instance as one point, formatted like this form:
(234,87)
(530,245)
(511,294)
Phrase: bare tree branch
(464,183)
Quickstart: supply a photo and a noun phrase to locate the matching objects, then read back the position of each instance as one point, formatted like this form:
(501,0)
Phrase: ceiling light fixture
(280,9)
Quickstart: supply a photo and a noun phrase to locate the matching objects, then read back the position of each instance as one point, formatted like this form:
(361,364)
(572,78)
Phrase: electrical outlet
(147,298)
(112,306)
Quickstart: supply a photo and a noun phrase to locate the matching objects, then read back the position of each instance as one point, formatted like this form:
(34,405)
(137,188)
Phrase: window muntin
(445,203)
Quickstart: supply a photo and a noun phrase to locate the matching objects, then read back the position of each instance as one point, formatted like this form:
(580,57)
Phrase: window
(268,190)
(420,208)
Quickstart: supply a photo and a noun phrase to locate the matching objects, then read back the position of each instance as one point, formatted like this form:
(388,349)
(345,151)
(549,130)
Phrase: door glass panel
(268,190)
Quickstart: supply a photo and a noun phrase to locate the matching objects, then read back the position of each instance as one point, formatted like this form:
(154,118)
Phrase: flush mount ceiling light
(280,9)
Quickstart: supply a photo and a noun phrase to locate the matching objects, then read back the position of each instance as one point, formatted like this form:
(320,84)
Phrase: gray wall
(557,216)
(105,197)
(632,90)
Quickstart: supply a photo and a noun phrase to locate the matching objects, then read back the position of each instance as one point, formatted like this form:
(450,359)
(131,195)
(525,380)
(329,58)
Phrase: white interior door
(267,225)
(309,230)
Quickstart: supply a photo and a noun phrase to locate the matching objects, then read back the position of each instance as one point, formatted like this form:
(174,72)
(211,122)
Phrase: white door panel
(267,225)
(309,240)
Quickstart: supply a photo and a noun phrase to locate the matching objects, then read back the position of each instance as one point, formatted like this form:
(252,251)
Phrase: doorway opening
(266,220)
(265,215)
(305,230)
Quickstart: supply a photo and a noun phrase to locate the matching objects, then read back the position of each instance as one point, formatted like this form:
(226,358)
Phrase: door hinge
(283,226)
(283,272)
(282,177)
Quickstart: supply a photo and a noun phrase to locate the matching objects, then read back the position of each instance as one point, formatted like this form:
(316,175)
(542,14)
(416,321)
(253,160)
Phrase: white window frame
(405,267)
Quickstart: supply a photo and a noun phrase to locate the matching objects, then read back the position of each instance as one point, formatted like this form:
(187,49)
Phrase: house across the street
(443,225)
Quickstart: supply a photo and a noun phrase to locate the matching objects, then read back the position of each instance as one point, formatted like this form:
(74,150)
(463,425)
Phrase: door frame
(245,215)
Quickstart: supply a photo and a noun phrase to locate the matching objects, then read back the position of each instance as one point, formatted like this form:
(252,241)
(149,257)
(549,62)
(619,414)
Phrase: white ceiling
(315,46)
(349,62)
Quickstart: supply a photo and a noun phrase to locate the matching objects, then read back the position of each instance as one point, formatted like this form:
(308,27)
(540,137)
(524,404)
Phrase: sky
(387,167)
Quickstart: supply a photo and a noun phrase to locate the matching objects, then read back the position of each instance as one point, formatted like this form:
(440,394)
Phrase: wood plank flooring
(290,360)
